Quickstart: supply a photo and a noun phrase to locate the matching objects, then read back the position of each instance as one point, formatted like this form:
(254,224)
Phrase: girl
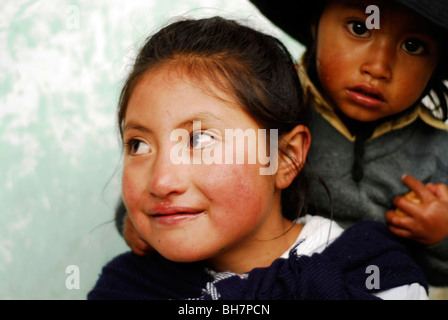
(371,131)
(222,230)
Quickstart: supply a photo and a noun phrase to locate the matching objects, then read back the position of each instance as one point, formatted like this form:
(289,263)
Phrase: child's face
(191,212)
(371,74)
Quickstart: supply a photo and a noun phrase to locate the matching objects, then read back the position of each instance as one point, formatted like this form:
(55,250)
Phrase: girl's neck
(257,253)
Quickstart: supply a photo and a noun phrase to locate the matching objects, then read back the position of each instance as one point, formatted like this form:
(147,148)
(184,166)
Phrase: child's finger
(398,224)
(399,221)
(418,187)
(439,189)
(404,233)
(406,207)
(141,248)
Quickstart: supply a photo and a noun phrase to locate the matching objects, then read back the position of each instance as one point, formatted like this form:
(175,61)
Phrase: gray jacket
(417,149)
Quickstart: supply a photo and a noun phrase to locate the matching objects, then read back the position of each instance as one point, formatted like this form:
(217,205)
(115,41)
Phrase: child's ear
(294,145)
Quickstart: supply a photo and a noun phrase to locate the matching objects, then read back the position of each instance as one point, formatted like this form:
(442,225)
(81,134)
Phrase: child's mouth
(369,94)
(176,218)
(366,96)
(174,215)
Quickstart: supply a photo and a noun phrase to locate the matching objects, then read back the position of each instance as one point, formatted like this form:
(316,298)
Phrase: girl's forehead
(174,91)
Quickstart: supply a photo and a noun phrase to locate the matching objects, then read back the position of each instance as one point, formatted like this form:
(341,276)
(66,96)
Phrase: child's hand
(134,240)
(425,222)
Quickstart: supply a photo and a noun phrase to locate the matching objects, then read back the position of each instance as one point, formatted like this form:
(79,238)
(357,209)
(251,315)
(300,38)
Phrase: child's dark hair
(254,68)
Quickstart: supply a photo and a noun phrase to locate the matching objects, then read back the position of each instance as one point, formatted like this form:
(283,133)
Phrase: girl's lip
(170,209)
(367,96)
(176,218)
(170,215)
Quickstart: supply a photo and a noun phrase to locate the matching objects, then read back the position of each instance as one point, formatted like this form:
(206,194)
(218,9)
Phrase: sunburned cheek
(227,176)
(236,188)
(130,192)
(248,192)
(325,73)
(329,69)
(409,89)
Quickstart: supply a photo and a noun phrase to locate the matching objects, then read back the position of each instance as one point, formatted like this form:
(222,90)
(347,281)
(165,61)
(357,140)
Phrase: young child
(224,229)
(373,138)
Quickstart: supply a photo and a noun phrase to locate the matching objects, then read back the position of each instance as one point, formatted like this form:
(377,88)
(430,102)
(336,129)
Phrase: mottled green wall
(61,67)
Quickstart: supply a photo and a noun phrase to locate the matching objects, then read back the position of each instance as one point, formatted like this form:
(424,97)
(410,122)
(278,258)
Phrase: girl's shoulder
(132,277)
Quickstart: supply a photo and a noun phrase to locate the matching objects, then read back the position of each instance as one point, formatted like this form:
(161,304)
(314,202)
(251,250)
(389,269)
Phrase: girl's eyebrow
(136,126)
(203,117)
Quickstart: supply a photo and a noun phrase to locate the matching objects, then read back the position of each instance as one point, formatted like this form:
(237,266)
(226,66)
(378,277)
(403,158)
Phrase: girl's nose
(379,61)
(167,178)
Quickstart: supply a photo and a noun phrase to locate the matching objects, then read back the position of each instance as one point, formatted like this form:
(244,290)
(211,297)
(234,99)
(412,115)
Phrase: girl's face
(192,212)
(371,74)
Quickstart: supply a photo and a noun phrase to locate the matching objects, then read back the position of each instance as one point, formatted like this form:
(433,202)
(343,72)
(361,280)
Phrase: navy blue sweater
(339,272)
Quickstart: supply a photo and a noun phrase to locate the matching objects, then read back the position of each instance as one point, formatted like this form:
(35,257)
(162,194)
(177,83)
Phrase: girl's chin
(183,255)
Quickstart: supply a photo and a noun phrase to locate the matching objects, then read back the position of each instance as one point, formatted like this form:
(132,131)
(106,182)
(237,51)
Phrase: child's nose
(379,61)
(167,178)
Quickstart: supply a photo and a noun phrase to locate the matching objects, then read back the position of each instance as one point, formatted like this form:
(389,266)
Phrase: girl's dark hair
(436,89)
(254,68)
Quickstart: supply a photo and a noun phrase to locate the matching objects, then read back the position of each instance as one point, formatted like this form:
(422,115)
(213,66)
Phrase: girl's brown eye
(138,147)
(200,140)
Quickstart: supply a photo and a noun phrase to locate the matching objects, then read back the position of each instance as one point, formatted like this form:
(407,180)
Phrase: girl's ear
(294,145)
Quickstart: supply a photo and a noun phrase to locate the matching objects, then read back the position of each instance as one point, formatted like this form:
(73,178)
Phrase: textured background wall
(62,64)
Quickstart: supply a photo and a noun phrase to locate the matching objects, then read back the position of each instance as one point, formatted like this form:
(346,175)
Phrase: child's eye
(136,147)
(414,46)
(200,140)
(358,29)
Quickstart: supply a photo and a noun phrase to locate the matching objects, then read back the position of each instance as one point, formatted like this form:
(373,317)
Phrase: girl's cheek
(130,189)
(240,187)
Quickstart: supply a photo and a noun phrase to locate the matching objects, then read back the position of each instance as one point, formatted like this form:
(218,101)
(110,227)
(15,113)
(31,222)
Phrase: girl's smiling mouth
(365,95)
(174,215)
